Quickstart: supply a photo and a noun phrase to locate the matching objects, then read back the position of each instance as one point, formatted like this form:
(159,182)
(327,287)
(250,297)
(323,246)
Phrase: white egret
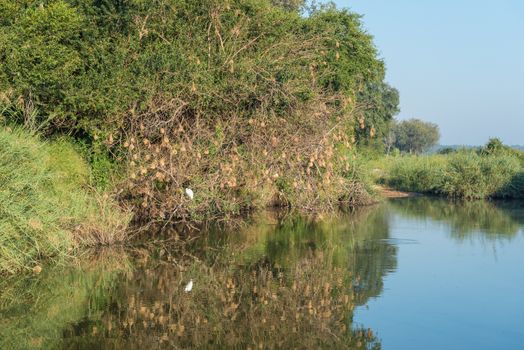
(189,286)
(190,193)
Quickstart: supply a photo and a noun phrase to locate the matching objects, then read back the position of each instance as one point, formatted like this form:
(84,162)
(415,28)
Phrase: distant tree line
(412,136)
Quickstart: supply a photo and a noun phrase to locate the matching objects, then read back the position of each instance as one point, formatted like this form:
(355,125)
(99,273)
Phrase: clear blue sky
(457,63)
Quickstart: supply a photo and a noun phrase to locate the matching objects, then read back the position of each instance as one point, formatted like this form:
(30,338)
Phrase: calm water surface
(408,274)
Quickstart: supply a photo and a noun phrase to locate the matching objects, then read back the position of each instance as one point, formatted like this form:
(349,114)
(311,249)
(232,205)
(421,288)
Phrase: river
(413,273)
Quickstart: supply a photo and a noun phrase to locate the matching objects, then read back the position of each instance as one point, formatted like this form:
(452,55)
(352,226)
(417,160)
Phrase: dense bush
(495,147)
(247,102)
(471,176)
(89,64)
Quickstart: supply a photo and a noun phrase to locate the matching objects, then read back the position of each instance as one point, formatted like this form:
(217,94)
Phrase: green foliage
(87,63)
(45,208)
(352,60)
(473,177)
(446,150)
(104,169)
(290,5)
(415,136)
(380,103)
(496,147)
(464,175)
(110,73)
(41,55)
(417,174)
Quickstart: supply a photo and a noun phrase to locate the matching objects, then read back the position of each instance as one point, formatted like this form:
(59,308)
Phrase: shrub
(514,188)
(471,176)
(417,173)
(464,175)
(500,172)
(245,102)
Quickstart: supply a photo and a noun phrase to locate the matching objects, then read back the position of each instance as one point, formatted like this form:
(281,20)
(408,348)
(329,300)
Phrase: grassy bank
(46,207)
(460,175)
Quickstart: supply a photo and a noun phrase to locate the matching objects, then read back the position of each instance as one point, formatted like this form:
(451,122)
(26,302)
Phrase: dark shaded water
(408,274)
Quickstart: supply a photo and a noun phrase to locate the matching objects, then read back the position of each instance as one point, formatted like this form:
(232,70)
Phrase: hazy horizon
(459,65)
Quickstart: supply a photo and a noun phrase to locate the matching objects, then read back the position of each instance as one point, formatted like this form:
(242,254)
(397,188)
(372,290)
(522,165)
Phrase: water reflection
(282,282)
(460,286)
(488,220)
(279,282)
(35,310)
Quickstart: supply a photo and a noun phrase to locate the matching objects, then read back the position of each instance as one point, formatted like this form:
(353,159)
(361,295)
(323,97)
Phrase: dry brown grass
(105,223)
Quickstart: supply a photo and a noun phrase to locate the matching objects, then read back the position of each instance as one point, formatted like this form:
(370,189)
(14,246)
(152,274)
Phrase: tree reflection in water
(281,282)
(466,219)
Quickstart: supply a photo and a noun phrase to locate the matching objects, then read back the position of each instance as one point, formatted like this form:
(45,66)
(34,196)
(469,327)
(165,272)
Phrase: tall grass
(417,174)
(462,175)
(46,208)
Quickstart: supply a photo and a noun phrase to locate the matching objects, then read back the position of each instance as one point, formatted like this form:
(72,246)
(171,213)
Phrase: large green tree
(415,135)
(85,63)
(378,104)
(291,5)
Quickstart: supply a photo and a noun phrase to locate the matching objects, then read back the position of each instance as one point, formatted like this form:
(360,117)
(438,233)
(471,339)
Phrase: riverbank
(387,192)
(200,111)
(203,111)
(465,174)
(50,208)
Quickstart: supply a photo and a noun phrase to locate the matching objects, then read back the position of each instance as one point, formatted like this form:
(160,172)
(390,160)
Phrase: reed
(46,206)
(462,175)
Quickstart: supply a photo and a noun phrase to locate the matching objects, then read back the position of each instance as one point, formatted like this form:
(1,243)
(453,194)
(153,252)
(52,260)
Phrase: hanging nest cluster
(252,115)
(248,103)
(234,165)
